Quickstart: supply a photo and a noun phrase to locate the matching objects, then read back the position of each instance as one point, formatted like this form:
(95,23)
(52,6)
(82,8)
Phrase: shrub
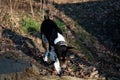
(29,25)
(60,24)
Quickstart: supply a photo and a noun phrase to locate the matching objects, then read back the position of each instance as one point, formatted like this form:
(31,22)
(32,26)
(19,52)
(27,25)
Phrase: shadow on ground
(26,45)
(101,19)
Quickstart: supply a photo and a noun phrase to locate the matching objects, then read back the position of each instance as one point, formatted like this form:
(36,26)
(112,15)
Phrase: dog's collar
(61,43)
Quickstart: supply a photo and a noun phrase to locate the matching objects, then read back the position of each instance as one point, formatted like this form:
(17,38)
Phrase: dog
(54,43)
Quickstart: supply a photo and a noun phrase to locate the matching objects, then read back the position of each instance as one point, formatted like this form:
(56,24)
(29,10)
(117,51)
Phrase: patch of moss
(61,25)
(29,25)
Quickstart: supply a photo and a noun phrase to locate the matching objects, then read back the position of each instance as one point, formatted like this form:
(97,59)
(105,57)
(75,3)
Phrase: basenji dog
(54,43)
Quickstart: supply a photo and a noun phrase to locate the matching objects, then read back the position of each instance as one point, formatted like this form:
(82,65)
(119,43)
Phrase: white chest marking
(59,38)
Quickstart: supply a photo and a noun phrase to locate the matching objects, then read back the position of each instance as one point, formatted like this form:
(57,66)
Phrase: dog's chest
(59,38)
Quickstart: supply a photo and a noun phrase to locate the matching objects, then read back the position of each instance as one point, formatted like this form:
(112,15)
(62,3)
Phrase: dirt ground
(92,26)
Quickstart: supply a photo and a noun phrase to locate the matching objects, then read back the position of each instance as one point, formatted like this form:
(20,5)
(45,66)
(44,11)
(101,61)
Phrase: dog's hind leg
(45,46)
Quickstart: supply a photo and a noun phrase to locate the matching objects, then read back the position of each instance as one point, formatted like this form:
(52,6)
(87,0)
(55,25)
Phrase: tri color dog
(54,43)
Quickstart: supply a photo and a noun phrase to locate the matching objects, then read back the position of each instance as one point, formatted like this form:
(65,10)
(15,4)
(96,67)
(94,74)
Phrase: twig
(31,8)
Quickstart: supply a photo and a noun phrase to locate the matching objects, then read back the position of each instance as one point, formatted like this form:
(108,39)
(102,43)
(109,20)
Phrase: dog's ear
(69,47)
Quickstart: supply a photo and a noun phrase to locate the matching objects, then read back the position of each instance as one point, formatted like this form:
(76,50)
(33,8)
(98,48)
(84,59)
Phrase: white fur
(46,56)
(57,66)
(59,38)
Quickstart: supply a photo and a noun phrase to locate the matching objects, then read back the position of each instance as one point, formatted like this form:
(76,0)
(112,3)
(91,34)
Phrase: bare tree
(31,8)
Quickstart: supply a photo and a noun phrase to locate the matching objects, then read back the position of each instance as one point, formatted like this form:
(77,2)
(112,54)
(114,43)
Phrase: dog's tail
(46,16)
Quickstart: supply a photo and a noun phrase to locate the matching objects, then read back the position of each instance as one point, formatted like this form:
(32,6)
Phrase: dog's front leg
(46,51)
(57,67)
(45,46)
(52,53)
(55,60)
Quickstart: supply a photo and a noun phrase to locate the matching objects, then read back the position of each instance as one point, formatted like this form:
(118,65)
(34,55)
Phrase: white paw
(57,66)
(46,57)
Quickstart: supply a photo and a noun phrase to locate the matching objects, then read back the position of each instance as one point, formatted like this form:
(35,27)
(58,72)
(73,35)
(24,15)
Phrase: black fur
(50,30)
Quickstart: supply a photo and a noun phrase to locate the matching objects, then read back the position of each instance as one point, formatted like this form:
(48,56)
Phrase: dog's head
(62,50)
